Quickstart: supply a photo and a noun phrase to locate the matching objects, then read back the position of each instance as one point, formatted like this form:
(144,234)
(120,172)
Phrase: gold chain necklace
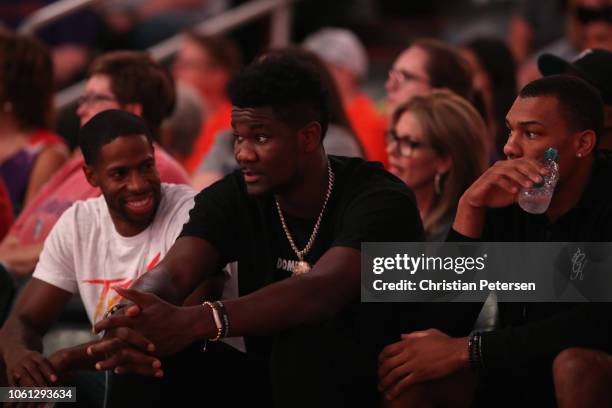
(302,266)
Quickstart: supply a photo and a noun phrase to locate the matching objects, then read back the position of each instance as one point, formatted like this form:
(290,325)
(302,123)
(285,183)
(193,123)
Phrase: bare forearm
(18,333)
(469,220)
(189,262)
(462,354)
(159,282)
(284,304)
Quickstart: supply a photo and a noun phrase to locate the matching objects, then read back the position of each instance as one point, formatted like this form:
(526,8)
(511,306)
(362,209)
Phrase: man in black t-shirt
(515,362)
(293,219)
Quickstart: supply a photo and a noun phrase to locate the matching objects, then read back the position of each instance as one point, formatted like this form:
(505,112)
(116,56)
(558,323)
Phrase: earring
(437,183)
(579,154)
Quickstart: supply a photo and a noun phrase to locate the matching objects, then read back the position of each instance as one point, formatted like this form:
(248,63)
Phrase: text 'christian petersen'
(455,285)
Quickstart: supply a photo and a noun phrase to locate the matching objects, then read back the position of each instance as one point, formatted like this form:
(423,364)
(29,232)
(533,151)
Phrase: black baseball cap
(592,65)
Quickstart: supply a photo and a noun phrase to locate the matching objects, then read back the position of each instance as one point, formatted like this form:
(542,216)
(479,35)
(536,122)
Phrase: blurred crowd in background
(376,55)
(401,75)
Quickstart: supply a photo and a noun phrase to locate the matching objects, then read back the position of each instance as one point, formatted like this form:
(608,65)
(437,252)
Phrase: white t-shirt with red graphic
(85,253)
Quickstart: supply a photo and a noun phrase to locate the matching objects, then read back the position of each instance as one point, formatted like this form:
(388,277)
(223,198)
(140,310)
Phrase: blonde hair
(453,127)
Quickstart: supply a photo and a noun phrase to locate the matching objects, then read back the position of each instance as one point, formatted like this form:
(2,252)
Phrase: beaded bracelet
(225,320)
(217,319)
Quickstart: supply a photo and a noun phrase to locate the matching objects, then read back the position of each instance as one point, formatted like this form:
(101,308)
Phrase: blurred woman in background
(427,64)
(438,146)
(495,78)
(29,152)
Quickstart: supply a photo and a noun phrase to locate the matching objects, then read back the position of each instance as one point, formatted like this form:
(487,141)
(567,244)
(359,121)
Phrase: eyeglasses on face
(93,98)
(401,76)
(403,145)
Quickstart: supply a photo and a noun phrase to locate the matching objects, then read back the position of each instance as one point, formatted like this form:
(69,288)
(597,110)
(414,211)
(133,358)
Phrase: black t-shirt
(331,363)
(532,334)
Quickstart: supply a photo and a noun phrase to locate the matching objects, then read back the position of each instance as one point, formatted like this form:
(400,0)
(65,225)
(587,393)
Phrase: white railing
(280,29)
(279,32)
(51,13)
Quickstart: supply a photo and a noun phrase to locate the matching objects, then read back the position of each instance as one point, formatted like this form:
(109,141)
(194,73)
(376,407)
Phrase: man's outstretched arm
(187,264)
(330,285)
(37,308)
(317,295)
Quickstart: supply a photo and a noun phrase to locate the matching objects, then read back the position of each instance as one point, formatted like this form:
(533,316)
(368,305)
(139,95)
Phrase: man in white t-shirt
(96,245)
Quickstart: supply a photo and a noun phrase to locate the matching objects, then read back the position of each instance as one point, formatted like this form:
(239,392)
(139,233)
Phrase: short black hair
(107,126)
(580,103)
(290,86)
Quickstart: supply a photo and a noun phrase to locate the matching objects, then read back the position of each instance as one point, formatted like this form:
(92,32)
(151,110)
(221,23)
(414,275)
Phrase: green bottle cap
(551,154)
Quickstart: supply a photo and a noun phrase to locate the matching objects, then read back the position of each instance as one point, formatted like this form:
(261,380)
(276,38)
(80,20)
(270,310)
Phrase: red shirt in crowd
(370,127)
(220,120)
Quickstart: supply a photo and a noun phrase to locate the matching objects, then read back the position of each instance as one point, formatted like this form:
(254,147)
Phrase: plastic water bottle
(536,200)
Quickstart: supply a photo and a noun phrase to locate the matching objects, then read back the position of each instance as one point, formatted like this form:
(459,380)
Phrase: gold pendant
(301,267)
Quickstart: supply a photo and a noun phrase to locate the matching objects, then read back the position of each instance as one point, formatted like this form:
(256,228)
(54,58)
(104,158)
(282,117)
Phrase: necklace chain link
(302,253)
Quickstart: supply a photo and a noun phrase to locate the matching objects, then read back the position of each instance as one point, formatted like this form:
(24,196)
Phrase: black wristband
(475,350)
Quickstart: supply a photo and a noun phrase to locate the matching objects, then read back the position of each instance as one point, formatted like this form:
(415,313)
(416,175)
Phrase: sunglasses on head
(588,15)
